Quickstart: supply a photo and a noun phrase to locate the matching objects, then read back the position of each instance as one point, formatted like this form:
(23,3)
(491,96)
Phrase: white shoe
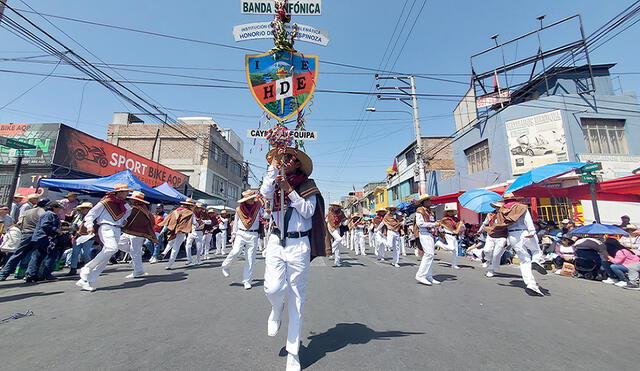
(293,363)
(225,271)
(168,268)
(85,286)
(485,265)
(435,281)
(247,285)
(153,260)
(188,263)
(404,254)
(489,274)
(137,275)
(456,267)
(535,289)
(558,272)
(609,281)
(397,265)
(273,325)
(423,281)
(84,274)
(621,283)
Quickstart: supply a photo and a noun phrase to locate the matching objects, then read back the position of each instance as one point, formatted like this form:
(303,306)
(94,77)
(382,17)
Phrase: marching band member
(335,221)
(393,225)
(358,234)
(496,241)
(245,235)
(221,238)
(379,235)
(371,237)
(138,228)
(105,220)
(180,222)
(210,223)
(452,227)
(423,230)
(196,236)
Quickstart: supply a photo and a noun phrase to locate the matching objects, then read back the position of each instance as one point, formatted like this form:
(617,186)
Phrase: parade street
(363,315)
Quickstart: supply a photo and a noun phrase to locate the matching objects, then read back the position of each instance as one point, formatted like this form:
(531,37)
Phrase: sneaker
(456,267)
(85,286)
(534,289)
(137,275)
(397,265)
(485,265)
(609,281)
(423,281)
(538,268)
(489,274)
(167,268)
(247,285)
(225,271)
(621,284)
(188,263)
(153,260)
(435,281)
(293,363)
(558,272)
(273,325)
(632,286)
(72,272)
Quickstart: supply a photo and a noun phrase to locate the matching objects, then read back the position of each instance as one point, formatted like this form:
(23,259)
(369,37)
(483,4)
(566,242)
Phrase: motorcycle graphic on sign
(282,82)
(91,153)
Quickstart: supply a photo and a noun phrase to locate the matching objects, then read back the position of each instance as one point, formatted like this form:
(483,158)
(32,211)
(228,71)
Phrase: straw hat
(630,227)
(511,196)
(211,209)
(247,195)
(85,205)
(306,165)
(422,198)
(498,204)
(223,212)
(450,207)
(120,187)
(18,195)
(200,205)
(381,209)
(188,202)
(335,203)
(138,196)
(34,196)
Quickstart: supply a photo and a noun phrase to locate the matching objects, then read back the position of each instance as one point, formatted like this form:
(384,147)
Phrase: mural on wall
(536,141)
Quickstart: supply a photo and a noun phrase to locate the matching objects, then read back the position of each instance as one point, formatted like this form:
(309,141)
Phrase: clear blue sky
(445,35)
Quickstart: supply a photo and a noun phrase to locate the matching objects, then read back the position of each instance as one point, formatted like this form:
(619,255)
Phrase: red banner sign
(80,151)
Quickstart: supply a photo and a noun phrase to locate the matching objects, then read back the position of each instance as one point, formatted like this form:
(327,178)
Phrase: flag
(496,85)
(395,166)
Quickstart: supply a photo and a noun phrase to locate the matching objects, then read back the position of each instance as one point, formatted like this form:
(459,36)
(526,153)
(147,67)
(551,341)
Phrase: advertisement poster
(535,141)
(79,151)
(43,136)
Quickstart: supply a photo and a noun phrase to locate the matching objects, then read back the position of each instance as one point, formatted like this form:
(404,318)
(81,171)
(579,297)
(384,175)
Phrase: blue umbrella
(599,229)
(543,173)
(479,200)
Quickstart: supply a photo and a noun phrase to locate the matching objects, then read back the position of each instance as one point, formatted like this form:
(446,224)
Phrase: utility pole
(14,181)
(416,118)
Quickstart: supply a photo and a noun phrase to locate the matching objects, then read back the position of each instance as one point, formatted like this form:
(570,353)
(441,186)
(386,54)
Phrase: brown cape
(247,220)
(113,209)
(512,214)
(497,227)
(319,238)
(426,215)
(178,221)
(331,225)
(391,223)
(140,223)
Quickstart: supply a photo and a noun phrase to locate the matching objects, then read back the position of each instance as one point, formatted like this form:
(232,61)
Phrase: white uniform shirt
(303,209)
(224,223)
(254,227)
(524,223)
(424,225)
(100,215)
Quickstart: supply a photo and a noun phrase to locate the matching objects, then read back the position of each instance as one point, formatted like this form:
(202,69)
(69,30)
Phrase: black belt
(249,230)
(450,234)
(293,234)
(517,230)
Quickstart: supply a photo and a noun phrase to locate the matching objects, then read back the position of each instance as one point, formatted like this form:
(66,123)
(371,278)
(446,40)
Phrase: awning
(106,184)
(170,191)
(453,197)
(543,173)
(625,189)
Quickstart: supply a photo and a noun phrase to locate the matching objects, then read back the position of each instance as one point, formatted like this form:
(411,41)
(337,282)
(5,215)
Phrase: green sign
(592,166)
(24,152)
(12,143)
(589,178)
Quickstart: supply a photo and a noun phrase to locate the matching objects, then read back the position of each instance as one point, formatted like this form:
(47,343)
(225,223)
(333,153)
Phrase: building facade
(198,147)
(542,126)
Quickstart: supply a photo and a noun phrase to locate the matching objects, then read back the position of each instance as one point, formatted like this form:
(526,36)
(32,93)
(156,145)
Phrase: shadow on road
(339,337)
(521,285)
(445,277)
(254,283)
(173,277)
(27,295)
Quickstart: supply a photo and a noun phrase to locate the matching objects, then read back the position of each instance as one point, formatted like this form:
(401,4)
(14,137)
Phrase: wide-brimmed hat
(211,209)
(381,209)
(495,204)
(224,212)
(188,202)
(335,203)
(85,205)
(120,187)
(71,194)
(306,165)
(18,195)
(247,195)
(422,198)
(201,205)
(510,196)
(138,196)
(34,196)
(450,207)
(631,227)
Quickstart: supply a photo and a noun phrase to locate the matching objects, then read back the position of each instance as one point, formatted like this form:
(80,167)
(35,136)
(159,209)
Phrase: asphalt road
(364,315)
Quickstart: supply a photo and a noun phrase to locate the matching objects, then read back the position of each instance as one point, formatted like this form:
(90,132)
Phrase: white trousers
(285,275)
(133,245)
(493,250)
(425,271)
(206,245)
(174,245)
(534,248)
(450,245)
(110,236)
(247,242)
(347,240)
(194,237)
(403,246)
(517,241)
(380,243)
(372,245)
(335,245)
(393,243)
(358,242)
(221,242)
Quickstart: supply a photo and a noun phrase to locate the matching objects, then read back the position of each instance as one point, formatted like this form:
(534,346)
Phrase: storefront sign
(262,30)
(535,141)
(295,7)
(42,136)
(79,151)
(613,166)
(295,134)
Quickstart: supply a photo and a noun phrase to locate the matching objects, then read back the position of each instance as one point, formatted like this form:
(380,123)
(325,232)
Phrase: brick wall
(443,160)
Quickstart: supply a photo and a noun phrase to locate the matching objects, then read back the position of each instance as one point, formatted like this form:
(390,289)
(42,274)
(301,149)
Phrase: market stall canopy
(170,191)
(625,189)
(106,184)
(479,200)
(453,197)
(542,173)
(599,229)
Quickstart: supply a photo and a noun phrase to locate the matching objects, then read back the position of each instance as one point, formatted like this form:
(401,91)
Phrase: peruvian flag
(395,166)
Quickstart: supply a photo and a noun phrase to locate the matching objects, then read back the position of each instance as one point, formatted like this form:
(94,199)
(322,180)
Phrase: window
(410,156)
(604,136)
(413,186)
(478,158)
(381,197)
(394,193)
(232,192)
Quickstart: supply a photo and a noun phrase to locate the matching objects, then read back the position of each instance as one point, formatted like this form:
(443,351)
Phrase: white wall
(611,211)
